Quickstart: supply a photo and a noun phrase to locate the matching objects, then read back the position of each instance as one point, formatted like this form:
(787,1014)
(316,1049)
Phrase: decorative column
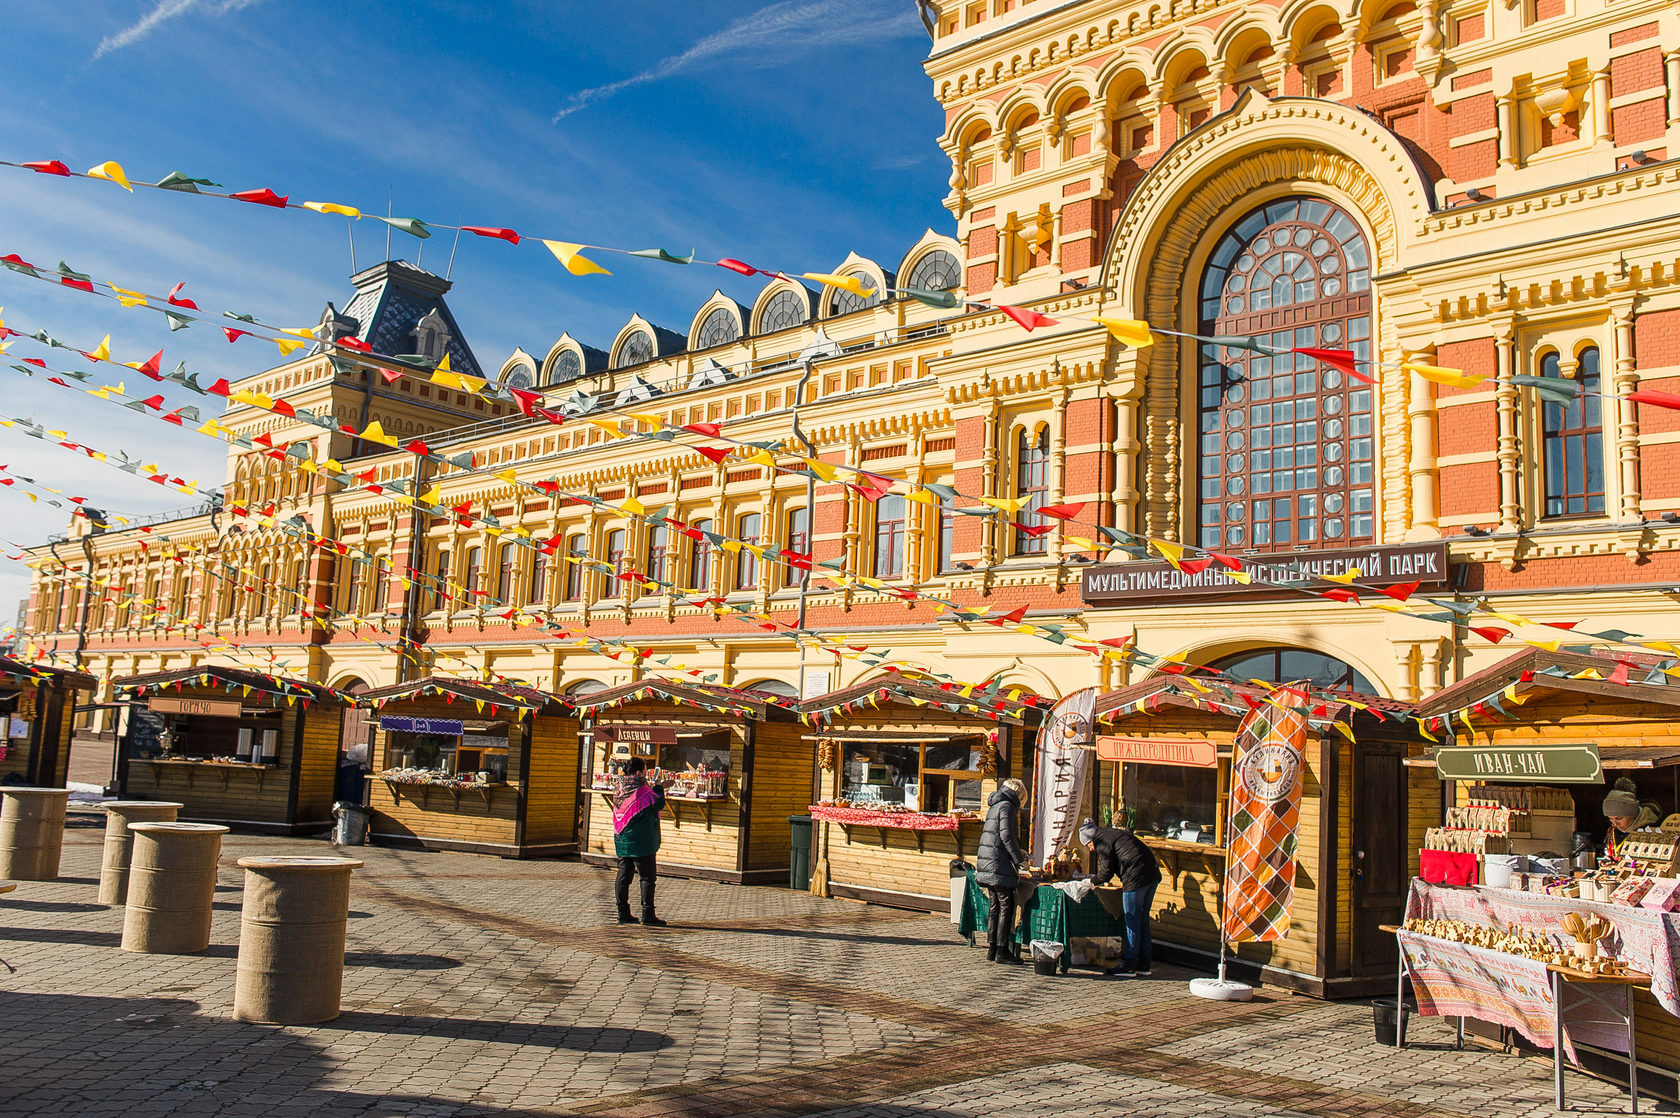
(1505,399)
(1058,459)
(989,486)
(1506,106)
(1423,467)
(1624,380)
(1671,63)
(1601,107)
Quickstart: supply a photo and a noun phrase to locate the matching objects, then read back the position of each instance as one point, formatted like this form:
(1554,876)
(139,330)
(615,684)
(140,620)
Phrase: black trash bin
(1390,1021)
(799,853)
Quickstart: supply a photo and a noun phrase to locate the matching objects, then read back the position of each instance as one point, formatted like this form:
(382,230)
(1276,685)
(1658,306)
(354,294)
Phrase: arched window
(1286,447)
(441,593)
(785,309)
(700,558)
(353,585)
(470,576)
(746,562)
(1032,485)
(658,551)
(889,536)
(1290,665)
(798,541)
(520,376)
(1572,435)
(538,585)
(381,584)
(937,271)
(719,328)
(615,556)
(567,367)
(504,578)
(637,350)
(574,567)
(842,301)
(265,580)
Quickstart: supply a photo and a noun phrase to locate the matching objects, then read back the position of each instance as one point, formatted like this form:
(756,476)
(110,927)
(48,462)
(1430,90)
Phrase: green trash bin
(799,853)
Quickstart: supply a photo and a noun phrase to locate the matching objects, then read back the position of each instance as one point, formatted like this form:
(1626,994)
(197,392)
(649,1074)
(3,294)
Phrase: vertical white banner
(1064,766)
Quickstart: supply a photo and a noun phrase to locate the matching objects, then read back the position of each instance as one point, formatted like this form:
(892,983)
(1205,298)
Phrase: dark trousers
(648,867)
(1139,943)
(1000,920)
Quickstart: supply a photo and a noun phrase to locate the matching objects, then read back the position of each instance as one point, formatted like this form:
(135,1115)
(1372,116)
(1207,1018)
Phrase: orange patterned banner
(1265,814)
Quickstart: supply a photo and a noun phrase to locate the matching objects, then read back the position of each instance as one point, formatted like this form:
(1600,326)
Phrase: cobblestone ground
(476,986)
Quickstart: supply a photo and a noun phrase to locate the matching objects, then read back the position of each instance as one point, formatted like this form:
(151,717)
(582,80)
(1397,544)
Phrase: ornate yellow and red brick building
(1480,184)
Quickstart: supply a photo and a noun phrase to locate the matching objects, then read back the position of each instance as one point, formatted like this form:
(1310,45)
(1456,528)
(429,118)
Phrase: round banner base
(1221,990)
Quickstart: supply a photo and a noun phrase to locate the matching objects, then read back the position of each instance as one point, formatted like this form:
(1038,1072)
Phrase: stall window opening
(473,751)
(1171,801)
(200,738)
(934,777)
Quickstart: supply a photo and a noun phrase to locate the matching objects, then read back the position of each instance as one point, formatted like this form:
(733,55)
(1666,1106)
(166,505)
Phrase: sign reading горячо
(1378,566)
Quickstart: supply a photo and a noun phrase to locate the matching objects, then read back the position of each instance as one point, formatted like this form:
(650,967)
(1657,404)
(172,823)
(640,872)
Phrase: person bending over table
(1119,854)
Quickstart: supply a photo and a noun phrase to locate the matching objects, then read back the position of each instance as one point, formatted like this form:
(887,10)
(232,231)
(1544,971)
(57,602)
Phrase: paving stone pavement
(481,987)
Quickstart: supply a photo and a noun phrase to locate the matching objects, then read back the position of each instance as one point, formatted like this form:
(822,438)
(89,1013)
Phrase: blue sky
(786,134)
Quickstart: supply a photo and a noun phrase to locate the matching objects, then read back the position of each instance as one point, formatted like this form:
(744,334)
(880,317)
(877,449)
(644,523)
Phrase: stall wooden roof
(994,706)
(477,691)
(14,669)
(748,704)
(1536,669)
(238,677)
(1234,700)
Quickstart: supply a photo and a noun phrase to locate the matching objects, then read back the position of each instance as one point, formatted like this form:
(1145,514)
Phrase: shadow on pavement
(399,962)
(55,906)
(567,1037)
(59,935)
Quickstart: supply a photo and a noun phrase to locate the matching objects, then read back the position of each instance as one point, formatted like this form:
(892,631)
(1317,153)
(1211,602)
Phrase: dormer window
(431,336)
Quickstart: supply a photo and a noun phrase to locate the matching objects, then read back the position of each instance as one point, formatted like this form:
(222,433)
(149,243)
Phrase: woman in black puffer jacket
(996,868)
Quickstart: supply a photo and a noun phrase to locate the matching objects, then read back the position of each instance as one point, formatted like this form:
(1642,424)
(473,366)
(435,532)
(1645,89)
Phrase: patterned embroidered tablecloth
(867,817)
(1644,939)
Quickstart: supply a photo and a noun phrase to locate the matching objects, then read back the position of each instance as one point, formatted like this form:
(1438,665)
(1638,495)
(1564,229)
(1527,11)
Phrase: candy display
(436,778)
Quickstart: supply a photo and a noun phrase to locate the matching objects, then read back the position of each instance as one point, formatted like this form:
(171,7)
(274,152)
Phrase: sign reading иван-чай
(1378,566)
(1574,763)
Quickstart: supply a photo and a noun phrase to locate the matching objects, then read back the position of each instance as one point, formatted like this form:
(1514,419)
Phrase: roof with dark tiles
(391,298)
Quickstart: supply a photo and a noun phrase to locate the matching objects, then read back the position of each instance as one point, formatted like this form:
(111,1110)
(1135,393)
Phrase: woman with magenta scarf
(636,838)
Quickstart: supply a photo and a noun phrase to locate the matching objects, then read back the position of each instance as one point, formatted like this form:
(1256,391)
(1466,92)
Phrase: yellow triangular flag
(1128,331)
(102,351)
(1171,552)
(1452,378)
(632,506)
(111,171)
(1345,577)
(821,469)
(610,426)
(128,298)
(1011,505)
(921,497)
(845,283)
(287,348)
(572,257)
(332,208)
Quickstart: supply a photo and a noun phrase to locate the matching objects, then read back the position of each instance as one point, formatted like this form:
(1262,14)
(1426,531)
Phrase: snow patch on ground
(86,793)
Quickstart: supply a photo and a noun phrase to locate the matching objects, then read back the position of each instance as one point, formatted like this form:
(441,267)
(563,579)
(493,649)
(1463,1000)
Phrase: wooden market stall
(906,769)
(232,746)
(1540,738)
(741,765)
(1164,769)
(480,767)
(38,703)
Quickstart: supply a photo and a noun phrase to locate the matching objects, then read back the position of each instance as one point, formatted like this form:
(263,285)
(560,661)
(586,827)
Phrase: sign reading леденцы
(1529,764)
(1378,566)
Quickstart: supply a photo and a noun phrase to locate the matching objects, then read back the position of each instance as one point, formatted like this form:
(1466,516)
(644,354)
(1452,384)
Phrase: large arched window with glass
(1287,455)
(567,367)
(720,327)
(936,271)
(1295,665)
(785,309)
(636,350)
(748,529)
(1573,437)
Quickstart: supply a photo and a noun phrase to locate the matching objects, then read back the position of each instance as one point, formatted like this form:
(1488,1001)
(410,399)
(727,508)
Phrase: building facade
(1477,184)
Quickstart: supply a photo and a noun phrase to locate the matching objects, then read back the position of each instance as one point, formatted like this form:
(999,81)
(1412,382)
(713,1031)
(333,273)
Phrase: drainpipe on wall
(417,564)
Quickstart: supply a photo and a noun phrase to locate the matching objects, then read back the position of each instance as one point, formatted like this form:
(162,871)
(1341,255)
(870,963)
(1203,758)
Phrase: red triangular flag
(392,376)
(1655,398)
(263,197)
(48,167)
(350,341)
(1491,633)
(175,299)
(234,335)
(739,266)
(1061,512)
(418,447)
(1340,595)
(220,388)
(710,430)
(1028,320)
(1033,531)
(1400,591)
(715,453)
(150,368)
(507,235)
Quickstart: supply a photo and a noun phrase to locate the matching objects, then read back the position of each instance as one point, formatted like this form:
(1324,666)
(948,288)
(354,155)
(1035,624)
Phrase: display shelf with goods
(1553,875)
(480,767)
(905,770)
(233,746)
(37,705)
(1164,750)
(735,764)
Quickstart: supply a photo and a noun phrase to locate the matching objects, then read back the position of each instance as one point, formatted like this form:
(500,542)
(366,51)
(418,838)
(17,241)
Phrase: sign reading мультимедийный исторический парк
(1378,566)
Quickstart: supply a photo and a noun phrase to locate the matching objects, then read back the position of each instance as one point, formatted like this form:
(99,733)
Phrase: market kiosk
(38,704)
(1164,750)
(232,746)
(739,763)
(906,767)
(1515,862)
(487,768)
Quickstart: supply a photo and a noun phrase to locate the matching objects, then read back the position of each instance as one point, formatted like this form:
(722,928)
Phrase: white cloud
(165,11)
(770,34)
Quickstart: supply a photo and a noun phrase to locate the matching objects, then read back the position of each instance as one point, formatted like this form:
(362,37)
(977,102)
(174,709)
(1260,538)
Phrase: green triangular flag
(943,300)
(1557,390)
(178,180)
(414,227)
(177,321)
(1237,341)
(661,254)
(251,318)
